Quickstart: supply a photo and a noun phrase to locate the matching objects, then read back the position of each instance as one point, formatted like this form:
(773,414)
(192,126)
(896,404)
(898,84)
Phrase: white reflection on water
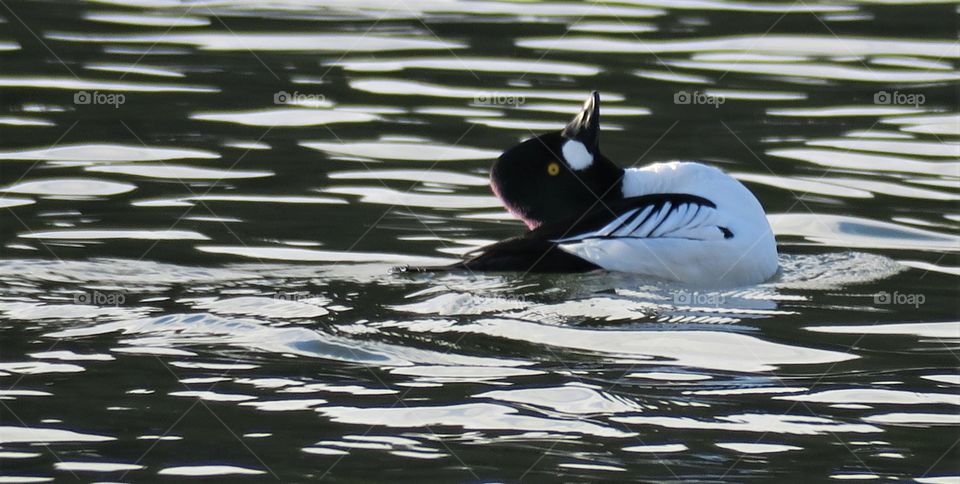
(99,234)
(177,172)
(804,185)
(951,379)
(39,368)
(668,376)
(408,88)
(412,151)
(822,71)
(867,162)
(64,355)
(99,152)
(311,255)
(48,310)
(147,20)
(286,117)
(19,455)
(890,188)
(920,148)
(70,187)
(657,448)
(736,6)
(11,435)
(755,448)
(213,396)
(479,64)
(754,422)
(470,416)
(814,45)
(753,95)
(202,328)
(911,62)
(139,69)
(875,395)
(465,374)
(433,176)
(833,111)
(389,196)
(945,124)
(613,27)
(10,202)
(77,84)
(285,405)
(246,41)
(208,470)
(570,399)
(672,77)
(919,418)
(701,349)
(849,232)
(188,201)
(459,112)
(381,9)
(87,466)
(24,121)
(263,307)
(931,330)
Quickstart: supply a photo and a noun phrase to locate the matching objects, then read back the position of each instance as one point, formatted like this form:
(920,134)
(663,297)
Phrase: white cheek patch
(577,155)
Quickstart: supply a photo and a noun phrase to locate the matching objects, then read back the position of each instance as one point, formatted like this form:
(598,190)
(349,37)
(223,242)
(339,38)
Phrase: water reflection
(222,259)
(244,41)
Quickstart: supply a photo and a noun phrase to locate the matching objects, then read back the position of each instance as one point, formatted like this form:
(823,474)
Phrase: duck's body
(728,244)
(678,221)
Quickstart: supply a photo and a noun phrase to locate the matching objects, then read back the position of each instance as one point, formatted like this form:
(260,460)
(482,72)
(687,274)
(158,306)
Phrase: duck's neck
(607,178)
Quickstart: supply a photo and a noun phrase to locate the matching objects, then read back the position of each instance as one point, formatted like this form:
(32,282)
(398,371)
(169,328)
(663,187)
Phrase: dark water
(202,202)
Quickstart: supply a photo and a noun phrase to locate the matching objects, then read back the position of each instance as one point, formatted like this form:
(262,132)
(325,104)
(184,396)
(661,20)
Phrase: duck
(678,221)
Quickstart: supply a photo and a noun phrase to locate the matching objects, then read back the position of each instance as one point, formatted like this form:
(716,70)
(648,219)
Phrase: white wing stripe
(673,221)
(701,217)
(610,227)
(647,226)
(626,231)
(602,231)
(666,220)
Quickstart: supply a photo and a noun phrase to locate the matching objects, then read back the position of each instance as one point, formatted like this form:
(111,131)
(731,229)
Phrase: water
(203,202)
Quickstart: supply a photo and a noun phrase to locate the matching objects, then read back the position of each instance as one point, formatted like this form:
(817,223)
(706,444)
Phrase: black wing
(539,250)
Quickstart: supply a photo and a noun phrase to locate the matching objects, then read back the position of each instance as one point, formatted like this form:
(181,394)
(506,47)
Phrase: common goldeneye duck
(678,221)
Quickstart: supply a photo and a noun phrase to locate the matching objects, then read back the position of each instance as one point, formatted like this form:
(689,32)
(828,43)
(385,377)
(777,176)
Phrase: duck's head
(558,175)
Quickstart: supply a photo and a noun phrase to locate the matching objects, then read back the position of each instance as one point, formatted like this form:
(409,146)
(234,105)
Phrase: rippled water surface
(202,202)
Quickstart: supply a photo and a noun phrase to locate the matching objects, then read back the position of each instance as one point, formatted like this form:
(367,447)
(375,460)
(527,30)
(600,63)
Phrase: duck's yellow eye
(553,169)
